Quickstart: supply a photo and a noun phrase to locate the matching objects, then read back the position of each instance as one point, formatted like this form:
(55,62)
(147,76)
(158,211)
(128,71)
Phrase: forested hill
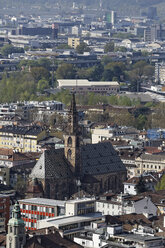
(124,7)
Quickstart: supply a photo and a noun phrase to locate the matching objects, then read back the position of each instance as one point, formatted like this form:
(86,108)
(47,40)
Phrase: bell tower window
(69,155)
(69,141)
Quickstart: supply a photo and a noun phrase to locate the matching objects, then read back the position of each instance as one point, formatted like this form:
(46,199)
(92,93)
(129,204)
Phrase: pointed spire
(73,104)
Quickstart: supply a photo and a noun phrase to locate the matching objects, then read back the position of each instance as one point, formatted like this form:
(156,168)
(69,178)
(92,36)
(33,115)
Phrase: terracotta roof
(6,152)
(158,222)
(128,220)
(152,150)
(146,178)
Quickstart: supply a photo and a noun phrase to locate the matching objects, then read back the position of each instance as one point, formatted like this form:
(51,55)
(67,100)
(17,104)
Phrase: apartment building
(35,209)
(147,163)
(73,42)
(21,139)
(160,73)
(126,204)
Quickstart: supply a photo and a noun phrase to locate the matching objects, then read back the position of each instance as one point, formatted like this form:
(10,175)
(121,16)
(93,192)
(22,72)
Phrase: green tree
(109,47)
(40,73)
(9,49)
(141,121)
(161,184)
(120,49)
(44,62)
(42,85)
(64,46)
(83,47)
(65,71)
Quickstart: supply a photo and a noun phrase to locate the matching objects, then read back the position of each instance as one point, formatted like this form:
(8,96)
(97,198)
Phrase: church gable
(39,169)
(99,159)
(52,164)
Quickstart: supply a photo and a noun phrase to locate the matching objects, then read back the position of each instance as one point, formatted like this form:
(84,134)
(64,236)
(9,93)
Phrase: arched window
(69,155)
(69,141)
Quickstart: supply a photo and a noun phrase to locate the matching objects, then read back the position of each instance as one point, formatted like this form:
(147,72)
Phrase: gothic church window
(69,141)
(69,155)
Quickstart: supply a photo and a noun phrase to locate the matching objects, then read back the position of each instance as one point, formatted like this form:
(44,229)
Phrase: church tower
(16,237)
(72,138)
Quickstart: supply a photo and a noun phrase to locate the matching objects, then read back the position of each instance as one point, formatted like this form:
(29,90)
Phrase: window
(69,155)
(69,141)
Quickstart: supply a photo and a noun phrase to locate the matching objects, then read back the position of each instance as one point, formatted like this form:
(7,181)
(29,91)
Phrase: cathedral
(93,168)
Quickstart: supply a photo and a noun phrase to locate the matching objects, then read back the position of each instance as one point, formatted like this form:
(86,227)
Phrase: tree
(40,73)
(64,46)
(141,121)
(42,85)
(120,49)
(83,47)
(161,184)
(113,69)
(9,49)
(65,71)
(109,47)
(44,62)
(140,187)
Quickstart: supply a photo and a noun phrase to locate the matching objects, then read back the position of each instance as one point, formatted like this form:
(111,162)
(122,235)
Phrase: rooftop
(43,201)
(66,220)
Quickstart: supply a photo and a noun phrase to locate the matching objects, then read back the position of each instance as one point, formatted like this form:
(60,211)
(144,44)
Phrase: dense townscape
(82,124)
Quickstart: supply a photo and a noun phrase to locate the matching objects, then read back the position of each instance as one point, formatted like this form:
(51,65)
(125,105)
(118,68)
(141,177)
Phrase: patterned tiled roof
(52,164)
(96,159)
(100,158)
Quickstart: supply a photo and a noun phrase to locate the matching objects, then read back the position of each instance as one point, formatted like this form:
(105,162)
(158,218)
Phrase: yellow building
(21,139)
(147,163)
(73,42)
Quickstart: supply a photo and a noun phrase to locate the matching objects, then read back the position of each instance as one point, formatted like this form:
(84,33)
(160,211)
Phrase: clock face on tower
(10,238)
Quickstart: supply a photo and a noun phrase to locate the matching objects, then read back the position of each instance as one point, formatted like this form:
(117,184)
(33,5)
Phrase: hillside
(124,7)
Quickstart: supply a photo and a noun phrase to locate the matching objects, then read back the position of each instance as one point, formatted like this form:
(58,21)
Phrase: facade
(127,133)
(160,73)
(124,204)
(16,236)
(80,206)
(35,209)
(82,86)
(70,226)
(73,42)
(130,185)
(22,139)
(96,166)
(147,163)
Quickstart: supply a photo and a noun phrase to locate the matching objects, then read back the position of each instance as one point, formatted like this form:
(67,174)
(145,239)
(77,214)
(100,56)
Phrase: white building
(84,86)
(80,206)
(131,184)
(124,204)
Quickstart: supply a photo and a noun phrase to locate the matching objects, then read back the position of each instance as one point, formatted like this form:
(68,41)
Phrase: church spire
(73,108)
(72,137)
(73,117)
